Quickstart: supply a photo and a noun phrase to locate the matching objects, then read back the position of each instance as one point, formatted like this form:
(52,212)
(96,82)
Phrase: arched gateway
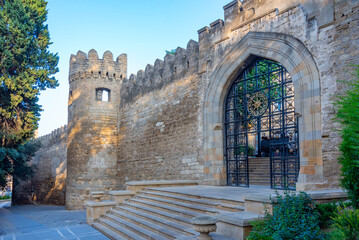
(295,133)
(260,128)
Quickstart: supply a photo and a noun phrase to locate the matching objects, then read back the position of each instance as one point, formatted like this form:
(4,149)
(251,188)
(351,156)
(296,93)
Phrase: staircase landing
(166,212)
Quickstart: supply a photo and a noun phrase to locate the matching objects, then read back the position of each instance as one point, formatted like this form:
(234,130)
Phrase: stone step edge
(214,204)
(124,231)
(180,211)
(159,220)
(163,214)
(239,202)
(130,226)
(148,224)
(108,232)
(181,205)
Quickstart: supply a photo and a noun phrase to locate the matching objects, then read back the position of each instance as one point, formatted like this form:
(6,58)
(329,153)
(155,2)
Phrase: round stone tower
(92,124)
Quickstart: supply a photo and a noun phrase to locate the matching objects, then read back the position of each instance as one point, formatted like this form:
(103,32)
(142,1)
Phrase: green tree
(347,106)
(26,68)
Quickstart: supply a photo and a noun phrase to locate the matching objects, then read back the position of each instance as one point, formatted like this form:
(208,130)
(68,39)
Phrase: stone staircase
(158,214)
(259,171)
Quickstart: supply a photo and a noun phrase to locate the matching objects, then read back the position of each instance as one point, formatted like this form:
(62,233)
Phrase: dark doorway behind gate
(261,128)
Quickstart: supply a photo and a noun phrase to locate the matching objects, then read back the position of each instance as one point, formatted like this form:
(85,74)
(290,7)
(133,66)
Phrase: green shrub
(347,221)
(334,234)
(294,217)
(5,197)
(347,106)
(327,211)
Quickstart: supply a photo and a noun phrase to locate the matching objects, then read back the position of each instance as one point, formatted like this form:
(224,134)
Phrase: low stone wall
(48,184)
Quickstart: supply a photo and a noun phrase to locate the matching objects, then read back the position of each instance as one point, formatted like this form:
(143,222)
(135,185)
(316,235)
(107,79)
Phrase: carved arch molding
(294,56)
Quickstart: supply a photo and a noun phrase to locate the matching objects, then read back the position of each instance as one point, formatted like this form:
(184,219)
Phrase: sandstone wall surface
(149,105)
(153,126)
(92,125)
(48,184)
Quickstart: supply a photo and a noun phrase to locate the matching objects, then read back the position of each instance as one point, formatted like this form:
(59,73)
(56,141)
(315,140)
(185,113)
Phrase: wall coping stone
(100,204)
(315,195)
(241,219)
(121,193)
(161,182)
(228,5)
(98,193)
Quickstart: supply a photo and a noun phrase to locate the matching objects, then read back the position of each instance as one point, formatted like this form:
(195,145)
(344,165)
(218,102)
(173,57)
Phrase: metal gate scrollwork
(260,121)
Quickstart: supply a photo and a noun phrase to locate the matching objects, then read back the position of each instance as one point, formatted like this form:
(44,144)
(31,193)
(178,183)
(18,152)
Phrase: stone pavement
(30,222)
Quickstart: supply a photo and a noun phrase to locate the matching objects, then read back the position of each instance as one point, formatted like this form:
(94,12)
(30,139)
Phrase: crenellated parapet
(239,15)
(174,66)
(84,66)
(54,136)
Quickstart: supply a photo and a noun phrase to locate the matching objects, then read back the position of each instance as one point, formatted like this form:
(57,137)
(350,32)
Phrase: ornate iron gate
(260,121)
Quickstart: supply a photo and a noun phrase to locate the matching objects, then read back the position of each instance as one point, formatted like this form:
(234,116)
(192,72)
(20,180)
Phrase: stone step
(223,201)
(191,207)
(260,167)
(252,176)
(202,202)
(124,231)
(108,231)
(170,209)
(182,228)
(159,213)
(260,183)
(165,231)
(139,230)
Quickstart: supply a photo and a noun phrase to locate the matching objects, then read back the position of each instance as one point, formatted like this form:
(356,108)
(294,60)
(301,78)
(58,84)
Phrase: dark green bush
(347,221)
(294,217)
(347,106)
(5,197)
(327,211)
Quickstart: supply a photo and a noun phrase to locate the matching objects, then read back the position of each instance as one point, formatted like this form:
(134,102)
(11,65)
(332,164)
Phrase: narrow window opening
(187,64)
(121,77)
(175,69)
(99,72)
(103,94)
(107,74)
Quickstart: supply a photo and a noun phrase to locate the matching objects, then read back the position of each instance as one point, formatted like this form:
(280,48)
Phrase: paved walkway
(30,222)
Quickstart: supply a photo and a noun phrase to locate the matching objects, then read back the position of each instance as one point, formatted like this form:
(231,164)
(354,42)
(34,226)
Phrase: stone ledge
(315,195)
(241,219)
(139,186)
(121,193)
(328,194)
(161,182)
(100,204)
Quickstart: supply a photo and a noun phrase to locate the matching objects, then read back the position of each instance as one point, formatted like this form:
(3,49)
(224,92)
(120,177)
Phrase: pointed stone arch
(295,57)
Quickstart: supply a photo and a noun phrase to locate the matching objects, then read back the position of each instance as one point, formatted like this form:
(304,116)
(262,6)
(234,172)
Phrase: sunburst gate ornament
(257,104)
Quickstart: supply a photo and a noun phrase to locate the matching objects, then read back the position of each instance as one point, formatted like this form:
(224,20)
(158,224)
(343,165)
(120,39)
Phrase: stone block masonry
(49,182)
(166,122)
(92,125)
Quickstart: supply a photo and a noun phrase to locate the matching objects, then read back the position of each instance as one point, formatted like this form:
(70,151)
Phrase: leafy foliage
(347,221)
(5,197)
(347,105)
(26,66)
(326,212)
(294,217)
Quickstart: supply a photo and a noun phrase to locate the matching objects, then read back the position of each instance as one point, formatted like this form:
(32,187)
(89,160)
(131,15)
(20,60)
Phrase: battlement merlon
(82,66)
(239,13)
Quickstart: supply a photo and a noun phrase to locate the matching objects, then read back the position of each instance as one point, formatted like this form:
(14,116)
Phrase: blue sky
(143,29)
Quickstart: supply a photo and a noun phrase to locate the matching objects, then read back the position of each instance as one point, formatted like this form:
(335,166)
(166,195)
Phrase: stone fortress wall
(49,182)
(166,122)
